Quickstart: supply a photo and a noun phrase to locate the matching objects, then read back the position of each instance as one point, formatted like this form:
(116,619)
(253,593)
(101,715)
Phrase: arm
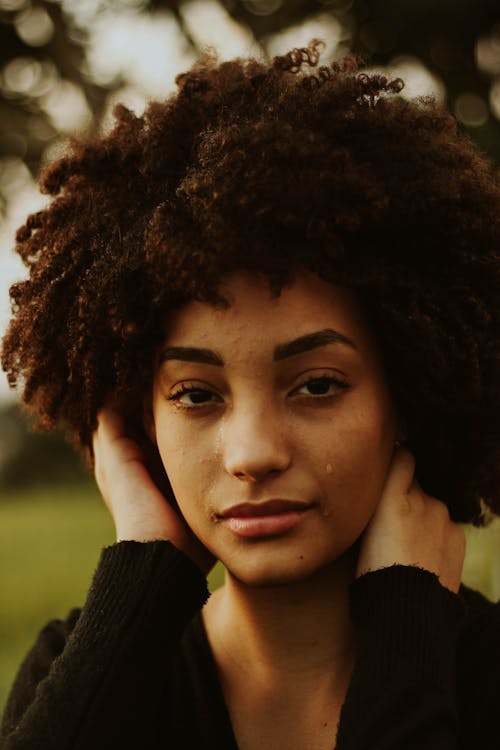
(402,694)
(406,616)
(50,643)
(103,687)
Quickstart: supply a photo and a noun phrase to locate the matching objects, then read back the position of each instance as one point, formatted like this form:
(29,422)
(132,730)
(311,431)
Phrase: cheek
(189,460)
(356,456)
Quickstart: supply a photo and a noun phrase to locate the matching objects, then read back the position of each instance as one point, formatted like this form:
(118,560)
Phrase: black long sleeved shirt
(133,668)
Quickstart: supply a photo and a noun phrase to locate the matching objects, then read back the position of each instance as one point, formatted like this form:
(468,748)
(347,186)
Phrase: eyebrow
(191,354)
(282,351)
(311,341)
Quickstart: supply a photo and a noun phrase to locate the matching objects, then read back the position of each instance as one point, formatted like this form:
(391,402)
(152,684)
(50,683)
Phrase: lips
(251,522)
(267,508)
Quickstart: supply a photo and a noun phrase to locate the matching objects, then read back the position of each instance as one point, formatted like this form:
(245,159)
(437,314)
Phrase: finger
(115,436)
(110,424)
(109,431)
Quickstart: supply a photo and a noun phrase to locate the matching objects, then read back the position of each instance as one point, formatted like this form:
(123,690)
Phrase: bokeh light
(419,80)
(13,5)
(23,76)
(322,26)
(146,51)
(209,25)
(471,109)
(488,52)
(67,107)
(262,7)
(34,26)
(495,98)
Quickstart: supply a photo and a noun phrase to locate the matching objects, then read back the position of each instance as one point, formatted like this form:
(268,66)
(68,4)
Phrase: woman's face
(275,425)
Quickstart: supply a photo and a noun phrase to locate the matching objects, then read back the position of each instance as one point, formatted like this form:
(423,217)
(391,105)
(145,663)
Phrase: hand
(140,511)
(412,528)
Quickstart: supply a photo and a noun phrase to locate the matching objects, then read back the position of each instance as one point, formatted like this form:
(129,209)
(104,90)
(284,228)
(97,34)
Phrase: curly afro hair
(272,167)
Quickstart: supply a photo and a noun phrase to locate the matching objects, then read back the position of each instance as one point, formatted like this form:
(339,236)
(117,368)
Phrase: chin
(276,573)
(265,580)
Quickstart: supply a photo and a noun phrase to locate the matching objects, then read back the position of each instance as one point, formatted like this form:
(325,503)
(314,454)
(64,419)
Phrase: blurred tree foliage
(43,42)
(29,458)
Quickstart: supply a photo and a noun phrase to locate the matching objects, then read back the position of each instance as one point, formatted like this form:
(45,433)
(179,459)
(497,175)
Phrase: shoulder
(478,669)
(481,622)
(49,643)
(57,631)
(476,601)
(481,626)
(51,640)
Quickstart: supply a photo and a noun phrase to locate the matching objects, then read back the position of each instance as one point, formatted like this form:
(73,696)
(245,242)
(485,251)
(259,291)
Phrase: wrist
(140,533)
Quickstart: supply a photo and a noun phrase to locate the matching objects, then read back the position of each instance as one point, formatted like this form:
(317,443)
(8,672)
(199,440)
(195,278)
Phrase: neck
(301,628)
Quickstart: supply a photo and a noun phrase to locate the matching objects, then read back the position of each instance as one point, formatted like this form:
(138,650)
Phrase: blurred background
(63,65)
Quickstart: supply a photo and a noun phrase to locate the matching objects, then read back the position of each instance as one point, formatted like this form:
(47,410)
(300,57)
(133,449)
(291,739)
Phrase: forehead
(256,321)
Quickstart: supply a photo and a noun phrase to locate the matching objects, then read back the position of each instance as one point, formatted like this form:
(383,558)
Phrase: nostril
(251,453)
(256,474)
(244,476)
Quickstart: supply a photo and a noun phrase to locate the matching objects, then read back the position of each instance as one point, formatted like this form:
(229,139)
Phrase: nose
(255,445)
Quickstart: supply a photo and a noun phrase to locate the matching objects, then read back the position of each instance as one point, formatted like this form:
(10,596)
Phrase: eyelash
(185,388)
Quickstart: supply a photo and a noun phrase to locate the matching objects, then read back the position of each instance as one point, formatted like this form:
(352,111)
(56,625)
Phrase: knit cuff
(407,623)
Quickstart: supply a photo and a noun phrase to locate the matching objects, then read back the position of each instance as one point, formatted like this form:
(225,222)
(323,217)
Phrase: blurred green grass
(50,542)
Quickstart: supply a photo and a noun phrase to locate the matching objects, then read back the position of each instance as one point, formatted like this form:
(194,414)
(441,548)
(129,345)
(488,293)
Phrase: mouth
(264,519)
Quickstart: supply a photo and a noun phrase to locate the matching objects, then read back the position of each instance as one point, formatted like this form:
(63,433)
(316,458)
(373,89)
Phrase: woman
(270,305)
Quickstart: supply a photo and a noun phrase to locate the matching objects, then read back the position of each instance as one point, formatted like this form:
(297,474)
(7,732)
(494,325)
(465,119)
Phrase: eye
(325,385)
(190,396)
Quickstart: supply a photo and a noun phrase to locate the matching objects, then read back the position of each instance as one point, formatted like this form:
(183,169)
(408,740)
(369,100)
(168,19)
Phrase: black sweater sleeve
(402,694)
(99,685)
